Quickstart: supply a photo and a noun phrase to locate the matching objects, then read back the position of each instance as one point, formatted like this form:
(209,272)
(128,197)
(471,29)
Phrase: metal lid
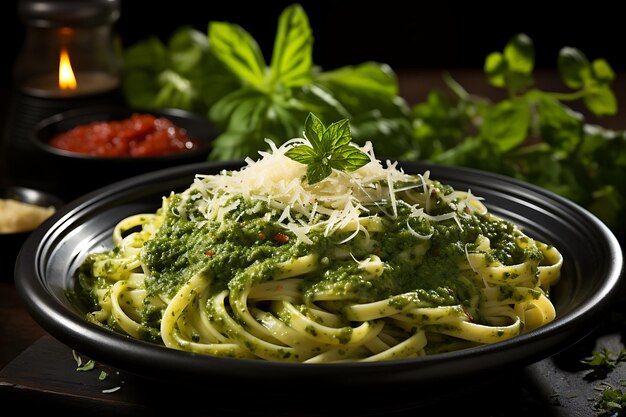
(76,13)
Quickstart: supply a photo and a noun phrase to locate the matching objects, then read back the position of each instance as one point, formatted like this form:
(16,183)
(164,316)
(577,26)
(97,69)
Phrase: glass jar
(68,38)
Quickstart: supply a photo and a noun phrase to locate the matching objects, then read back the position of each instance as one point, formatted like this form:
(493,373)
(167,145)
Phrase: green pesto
(506,292)
(245,239)
(345,335)
(246,246)
(184,247)
(310,330)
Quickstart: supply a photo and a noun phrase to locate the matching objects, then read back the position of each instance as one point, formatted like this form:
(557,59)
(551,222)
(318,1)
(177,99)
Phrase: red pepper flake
(209,253)
(262,236)
(281,238)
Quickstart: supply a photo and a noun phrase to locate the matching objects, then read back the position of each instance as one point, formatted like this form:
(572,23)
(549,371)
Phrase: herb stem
(575,95)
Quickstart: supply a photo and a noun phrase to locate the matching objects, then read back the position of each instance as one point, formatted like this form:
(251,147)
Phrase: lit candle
(67,80)
(69,84)
(87,83)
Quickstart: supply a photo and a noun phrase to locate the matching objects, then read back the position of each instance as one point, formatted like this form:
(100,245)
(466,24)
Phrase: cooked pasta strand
(369,265)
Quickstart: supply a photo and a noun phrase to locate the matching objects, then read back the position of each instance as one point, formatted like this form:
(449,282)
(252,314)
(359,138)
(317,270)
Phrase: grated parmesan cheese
(341,201)
(18,216)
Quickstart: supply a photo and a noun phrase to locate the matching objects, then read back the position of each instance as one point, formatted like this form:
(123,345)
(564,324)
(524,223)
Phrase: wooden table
(37,370)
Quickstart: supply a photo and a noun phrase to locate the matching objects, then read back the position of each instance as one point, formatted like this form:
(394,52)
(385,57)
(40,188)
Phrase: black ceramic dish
(590,276)
(79,173)
(11,243)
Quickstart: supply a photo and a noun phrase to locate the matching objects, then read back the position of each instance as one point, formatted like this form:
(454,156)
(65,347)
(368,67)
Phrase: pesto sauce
(244,248)
(185,246)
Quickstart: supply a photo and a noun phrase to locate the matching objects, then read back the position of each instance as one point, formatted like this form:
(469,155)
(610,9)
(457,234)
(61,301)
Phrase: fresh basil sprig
(533,134)
(273,100)
(224,75)
(330,148)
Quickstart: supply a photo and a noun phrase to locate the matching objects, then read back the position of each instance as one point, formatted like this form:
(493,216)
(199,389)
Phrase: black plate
(592,266)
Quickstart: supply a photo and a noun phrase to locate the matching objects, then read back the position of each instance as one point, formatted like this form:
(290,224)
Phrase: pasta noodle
(370,265)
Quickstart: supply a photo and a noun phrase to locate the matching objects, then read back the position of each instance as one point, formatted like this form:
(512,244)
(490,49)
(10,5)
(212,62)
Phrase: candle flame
(67,81)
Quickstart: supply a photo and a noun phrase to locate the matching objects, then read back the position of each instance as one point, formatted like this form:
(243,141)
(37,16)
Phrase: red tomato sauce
(137,136)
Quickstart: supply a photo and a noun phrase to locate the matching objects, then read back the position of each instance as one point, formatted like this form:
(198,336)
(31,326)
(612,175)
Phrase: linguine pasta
(370,265)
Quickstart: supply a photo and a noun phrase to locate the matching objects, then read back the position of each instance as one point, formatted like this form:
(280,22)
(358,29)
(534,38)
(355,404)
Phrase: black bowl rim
(139,357)
(118,112)
(26,193)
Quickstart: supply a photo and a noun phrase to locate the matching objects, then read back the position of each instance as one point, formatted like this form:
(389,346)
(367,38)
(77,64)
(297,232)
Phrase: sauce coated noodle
(370,265)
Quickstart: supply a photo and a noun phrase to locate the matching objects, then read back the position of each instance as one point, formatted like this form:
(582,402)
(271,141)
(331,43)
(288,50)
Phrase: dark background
(403,34)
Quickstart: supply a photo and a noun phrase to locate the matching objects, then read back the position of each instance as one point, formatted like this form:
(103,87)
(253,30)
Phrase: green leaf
(143,62)
(438,124)
(366,94)
(188,47)
(519,54)
(513,68)
(539,164)
(350,159)
(283,121)
(573,67)
(184,74)
(140,89)
(175,91)
(88,366)
(314,132)
(249,116)
(392,136)
(601,100)
(611,403)
(517,81)
(362,91)
(602,362)
(369,78)
(330,148)
(338,134)
(235,145)
(318,171)
(474,152)
(292,58)
(602,71)
(506,124)
(608,202)
(239,51)
(236,109)
(560,126)
(495,68)
(302,153)
(576,72)
(316,99)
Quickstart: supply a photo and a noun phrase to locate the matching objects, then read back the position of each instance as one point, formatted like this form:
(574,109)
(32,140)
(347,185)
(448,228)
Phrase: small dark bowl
(11,243)
(77,173)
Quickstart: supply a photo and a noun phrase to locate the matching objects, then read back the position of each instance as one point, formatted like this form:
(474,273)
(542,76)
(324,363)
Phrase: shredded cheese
(339,202)
(18,216)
